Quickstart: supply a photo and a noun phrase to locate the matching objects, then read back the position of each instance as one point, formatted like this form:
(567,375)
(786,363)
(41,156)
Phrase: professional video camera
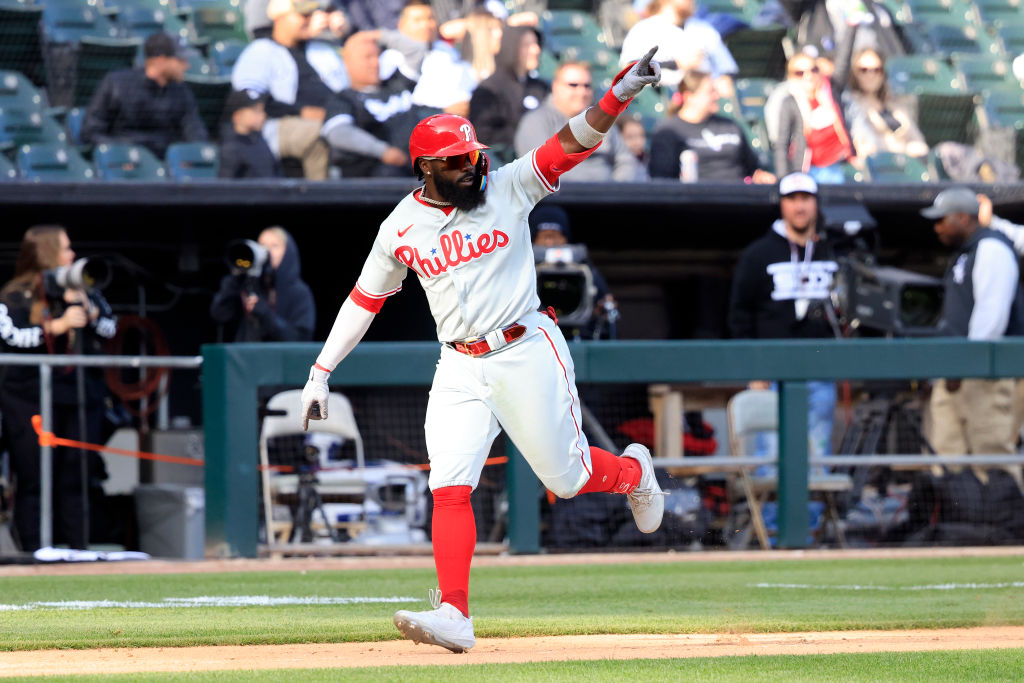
(247,259)
(566,283)
(85,273)
(868,296)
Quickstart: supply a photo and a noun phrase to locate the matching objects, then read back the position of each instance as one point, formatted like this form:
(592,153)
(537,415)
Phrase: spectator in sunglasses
(879,120)
(572,91)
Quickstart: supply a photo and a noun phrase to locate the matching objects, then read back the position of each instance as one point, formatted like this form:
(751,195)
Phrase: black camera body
(868,296)
(566,283)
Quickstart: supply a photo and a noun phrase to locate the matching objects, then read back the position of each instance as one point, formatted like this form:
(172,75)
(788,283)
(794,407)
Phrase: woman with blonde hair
(37,315)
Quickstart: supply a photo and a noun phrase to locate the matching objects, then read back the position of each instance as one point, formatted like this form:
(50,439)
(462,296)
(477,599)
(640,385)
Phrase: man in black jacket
(982,301)
(148,106)
(781,290)
(501,99)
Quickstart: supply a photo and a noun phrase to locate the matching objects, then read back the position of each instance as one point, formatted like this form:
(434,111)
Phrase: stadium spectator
(37,315)
(502,99)
(691,43)
(378,116)
(243,151)
(879,121)
(443,80)
(274,305)
(826,24)
(721,148)
(550,228)
(635,137)
(150,106)
(301,78)
(811,134)
(480,37)
(982,301)
(781,290)
(572,91)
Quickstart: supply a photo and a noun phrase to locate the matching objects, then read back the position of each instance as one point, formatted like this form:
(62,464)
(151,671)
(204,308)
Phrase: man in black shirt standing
(148,106)
(718,144)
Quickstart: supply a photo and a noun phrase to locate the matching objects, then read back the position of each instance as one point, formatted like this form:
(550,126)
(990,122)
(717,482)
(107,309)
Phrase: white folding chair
(752,411)
(340,421)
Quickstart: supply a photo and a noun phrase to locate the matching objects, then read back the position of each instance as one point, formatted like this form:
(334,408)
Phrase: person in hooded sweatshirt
(501,99)
(278,305)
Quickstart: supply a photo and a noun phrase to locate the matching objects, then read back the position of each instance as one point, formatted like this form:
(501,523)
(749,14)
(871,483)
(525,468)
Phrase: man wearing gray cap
(982,301)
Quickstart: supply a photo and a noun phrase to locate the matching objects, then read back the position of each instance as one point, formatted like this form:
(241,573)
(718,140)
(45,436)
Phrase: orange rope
(50,439)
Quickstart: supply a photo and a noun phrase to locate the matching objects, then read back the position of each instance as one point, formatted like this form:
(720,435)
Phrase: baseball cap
(797,182)
(241,99)
(550,218)
(163,45)
(953,200)
(279,8)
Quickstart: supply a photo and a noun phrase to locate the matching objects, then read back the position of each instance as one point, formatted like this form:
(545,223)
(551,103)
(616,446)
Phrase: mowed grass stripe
(520,601)
(958,665)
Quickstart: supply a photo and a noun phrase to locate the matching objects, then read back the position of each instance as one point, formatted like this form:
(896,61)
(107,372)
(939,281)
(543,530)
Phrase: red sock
(611,473)
(454,537)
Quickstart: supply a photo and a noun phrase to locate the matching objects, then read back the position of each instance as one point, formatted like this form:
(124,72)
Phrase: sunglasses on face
(454,163)
(799,73)
(587,86)
(869,69)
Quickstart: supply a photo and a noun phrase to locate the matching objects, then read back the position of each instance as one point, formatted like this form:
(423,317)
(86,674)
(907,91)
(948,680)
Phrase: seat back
(210,92)
(53,162)
(914,74)
(758,52)
(20,46)
(20,126)
(16,91)
(98,55)
(127,162)
(889,167)
(193,161)
(340,421)
(224,54)
(748,412)
(7,169)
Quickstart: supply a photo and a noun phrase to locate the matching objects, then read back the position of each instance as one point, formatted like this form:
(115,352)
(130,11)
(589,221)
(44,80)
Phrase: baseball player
(503,364)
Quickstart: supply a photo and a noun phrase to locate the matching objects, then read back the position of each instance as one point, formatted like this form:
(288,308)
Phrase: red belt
(480,347)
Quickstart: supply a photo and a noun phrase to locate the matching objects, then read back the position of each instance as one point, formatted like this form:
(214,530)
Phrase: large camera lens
(245,256)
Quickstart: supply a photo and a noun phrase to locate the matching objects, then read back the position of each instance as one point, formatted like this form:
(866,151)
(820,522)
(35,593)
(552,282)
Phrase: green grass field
(699,597)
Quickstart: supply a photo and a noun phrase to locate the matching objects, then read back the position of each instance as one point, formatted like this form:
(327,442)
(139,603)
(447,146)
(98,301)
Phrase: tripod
(309,501)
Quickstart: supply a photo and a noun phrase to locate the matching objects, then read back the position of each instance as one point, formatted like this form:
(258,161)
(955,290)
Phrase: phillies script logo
(454,250)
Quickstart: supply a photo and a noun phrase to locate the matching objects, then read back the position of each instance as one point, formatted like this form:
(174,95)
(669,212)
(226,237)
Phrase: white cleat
(647,501)
(445,625)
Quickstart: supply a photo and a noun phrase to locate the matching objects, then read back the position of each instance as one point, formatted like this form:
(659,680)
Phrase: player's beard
(462,197)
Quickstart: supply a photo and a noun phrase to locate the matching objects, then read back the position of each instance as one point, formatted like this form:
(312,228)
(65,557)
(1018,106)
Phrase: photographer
(40,313)
(549,226)
(264,296)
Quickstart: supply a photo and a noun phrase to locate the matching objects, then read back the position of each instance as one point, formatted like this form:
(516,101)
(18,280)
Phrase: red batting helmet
(442,135)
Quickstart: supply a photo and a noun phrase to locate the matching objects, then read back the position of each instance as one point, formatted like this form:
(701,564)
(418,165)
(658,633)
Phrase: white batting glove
(633,78)
(314,396)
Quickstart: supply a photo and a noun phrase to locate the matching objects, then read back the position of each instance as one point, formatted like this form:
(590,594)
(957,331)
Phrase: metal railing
(46,363)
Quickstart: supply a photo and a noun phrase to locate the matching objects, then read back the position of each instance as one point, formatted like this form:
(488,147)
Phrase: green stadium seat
(193,161)
(984,73)
(19,126)
(215,23)
(1012,37)
(941,11)
(649,108)
(758,52)
(887,167)
(852,174)
(224,54)
(569,22)
(947,117)
(188,7)
(69,23)
(752,93)
(741,9)
(142,22)
(949,39)
(548,64)
(17,91)
(1000,12)
(915,74)
(7,170)
(210,93)
(73,122)
(20,47)
(53,162)
(98,55)
(127,162)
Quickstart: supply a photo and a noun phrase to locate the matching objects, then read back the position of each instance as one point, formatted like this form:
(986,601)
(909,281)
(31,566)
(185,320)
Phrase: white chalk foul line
(928,587)
(203,601)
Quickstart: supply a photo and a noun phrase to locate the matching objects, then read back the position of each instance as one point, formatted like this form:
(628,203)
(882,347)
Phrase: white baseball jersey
(476,267)
(477,270)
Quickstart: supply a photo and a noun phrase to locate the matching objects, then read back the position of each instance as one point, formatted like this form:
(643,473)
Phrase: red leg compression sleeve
(454,535)
(612,473)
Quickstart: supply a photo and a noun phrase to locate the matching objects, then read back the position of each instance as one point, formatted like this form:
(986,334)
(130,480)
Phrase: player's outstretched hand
(314,396)
(633,78)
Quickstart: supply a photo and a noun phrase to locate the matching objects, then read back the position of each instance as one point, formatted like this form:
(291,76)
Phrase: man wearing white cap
(780,289)
(982,301)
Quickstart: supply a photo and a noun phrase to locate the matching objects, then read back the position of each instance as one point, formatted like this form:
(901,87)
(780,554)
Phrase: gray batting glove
(314,396)
(641,73)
